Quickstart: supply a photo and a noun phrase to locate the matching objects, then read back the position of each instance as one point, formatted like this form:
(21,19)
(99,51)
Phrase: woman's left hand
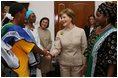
(83,69)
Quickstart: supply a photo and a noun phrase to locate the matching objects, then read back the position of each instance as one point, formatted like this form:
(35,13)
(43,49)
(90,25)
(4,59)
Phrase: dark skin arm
(36,49)
(111,70)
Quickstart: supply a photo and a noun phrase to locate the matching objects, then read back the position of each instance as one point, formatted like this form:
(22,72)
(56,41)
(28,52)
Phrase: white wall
(43,9)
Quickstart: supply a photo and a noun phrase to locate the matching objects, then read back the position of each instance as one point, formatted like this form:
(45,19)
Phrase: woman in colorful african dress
(102,45)
(18,39)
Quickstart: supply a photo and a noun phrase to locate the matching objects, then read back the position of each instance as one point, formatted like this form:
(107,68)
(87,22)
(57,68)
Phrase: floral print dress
(107,54)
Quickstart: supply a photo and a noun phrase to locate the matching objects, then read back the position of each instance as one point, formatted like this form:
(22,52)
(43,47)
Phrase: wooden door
(114,2)
(82,9)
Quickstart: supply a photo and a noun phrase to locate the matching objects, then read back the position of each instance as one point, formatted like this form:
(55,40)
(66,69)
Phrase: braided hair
(109,9)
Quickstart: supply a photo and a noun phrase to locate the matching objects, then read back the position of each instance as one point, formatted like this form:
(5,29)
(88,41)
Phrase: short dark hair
(15,8)
(45,18)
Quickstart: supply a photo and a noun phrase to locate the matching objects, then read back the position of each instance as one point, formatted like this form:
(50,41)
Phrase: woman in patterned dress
(102,45)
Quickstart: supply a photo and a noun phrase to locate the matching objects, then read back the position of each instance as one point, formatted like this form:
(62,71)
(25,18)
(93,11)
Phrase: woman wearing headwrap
(33,33)
(102,46)
(31,18)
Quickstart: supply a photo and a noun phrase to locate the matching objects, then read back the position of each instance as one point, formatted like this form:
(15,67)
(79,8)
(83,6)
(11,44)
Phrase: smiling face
(44,23)
(66,20)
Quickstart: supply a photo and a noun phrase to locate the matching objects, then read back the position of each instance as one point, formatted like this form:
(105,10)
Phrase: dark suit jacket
(87,31)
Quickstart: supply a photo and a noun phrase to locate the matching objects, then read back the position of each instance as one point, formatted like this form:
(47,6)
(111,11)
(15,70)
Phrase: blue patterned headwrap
(28,13)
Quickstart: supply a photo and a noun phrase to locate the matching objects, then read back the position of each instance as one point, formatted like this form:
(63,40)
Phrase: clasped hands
(48,55)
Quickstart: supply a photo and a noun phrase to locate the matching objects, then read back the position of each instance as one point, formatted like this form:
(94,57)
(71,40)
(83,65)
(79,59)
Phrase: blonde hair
(69,12)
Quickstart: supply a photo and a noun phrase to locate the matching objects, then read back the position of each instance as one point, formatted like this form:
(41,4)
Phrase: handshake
(48,55)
